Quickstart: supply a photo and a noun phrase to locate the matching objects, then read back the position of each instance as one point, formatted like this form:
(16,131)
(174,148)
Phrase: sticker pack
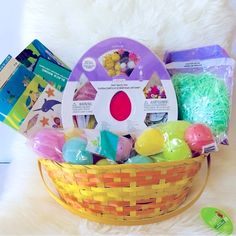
(119,85)
(46,112)
(39,59)
(29,98)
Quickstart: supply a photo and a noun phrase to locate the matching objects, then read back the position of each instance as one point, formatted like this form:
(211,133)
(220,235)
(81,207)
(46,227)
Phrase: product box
(118,85)
(39,59)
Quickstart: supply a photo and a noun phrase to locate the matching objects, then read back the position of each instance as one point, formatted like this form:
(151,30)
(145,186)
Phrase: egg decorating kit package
(126,80)
(123,135)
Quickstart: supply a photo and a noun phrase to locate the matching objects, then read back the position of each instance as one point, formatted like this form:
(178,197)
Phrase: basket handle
(144,221)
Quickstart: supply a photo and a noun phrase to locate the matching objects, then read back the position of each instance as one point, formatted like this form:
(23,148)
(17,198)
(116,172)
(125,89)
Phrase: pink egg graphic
(120,106)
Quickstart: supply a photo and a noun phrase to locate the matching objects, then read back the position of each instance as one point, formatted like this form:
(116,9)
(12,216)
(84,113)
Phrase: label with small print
(83,107)
(209,148)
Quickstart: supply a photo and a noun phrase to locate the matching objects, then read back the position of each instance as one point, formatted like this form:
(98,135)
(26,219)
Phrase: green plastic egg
(139,160)
(217,219)
(158,157)
(174,129)
(176,150)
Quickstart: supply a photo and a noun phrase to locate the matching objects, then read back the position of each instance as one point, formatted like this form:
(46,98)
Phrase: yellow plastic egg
(104,162)
(72,133)
(150,142)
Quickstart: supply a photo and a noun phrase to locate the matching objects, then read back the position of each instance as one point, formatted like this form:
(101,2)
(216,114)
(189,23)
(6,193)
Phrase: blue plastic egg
(74,152)
(138,159)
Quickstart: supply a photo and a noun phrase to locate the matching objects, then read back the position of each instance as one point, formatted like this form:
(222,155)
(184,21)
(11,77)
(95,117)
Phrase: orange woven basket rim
(124,166)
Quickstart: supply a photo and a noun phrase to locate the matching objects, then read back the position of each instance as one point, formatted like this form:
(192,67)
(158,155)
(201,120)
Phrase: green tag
(217,219)
(55,75)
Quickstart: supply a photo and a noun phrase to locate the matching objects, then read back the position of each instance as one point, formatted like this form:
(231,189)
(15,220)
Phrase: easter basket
(128,194)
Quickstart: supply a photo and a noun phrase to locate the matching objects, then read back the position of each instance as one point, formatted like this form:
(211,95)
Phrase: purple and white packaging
(118,85)
(210,60)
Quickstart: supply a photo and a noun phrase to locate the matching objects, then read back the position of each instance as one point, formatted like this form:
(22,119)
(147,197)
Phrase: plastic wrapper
(203,81)
(108,144)
(48,143)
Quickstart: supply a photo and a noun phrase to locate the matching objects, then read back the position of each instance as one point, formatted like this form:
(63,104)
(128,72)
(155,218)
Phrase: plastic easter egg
(48,143)
(74,152)
(174,129)
(73,133)
(124,148)
(139,160)
(176,150)
(158,157)
(217,220)
(150,142)
(197,136)
(104,162)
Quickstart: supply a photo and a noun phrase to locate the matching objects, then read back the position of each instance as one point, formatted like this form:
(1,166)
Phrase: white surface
(11,43)
(3,177)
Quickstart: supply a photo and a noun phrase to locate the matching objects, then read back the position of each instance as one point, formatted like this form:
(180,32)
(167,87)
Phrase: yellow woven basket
(123,194)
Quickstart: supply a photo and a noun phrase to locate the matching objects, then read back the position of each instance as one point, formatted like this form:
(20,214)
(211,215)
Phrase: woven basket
(125,194)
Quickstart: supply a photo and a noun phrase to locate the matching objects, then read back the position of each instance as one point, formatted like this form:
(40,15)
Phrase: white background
(10,43)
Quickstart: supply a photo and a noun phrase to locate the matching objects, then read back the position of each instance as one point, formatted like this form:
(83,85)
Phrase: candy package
(203,81)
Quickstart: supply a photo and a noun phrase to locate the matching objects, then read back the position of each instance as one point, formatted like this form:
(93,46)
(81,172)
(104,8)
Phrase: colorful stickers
(27,101)
(46,112)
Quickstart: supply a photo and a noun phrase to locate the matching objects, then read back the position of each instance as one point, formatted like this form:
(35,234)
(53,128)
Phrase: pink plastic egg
(48,143)
(197,136)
